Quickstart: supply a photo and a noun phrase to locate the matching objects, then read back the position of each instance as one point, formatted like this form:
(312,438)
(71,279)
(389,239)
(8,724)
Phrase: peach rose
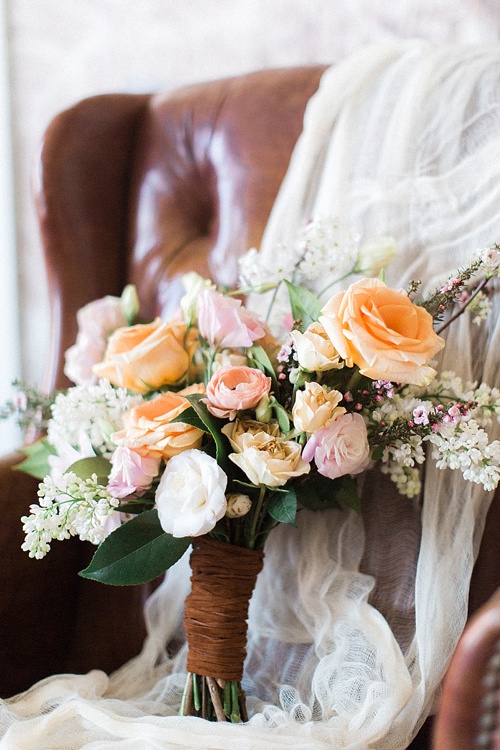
(265,458)
(148,356)
(315,408)
(315,351)
(149,431)
(382,332)
(232,389)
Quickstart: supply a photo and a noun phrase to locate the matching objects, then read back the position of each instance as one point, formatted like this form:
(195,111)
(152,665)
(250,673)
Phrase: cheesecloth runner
(353,620)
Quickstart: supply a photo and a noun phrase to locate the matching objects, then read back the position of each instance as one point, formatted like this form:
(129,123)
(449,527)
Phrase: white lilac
(70,507)
(329,250)
(94,410)
(466,447)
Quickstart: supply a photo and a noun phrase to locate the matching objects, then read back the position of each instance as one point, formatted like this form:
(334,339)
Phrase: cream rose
(148,356)
(149,430)
(265,458)
(382,332)
(190,498)
(238,505)
(315,408)
(233,389)
(315,351)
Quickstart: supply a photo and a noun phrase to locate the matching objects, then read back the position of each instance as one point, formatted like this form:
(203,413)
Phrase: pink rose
(232,389)
(224,322)
(341,448)
(131,473)
(96,322)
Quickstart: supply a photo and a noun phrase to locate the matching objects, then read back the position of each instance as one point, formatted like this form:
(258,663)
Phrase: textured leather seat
(136,188)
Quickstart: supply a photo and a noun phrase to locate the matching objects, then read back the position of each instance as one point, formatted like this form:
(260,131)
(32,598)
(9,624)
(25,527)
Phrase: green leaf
(320,493)
(261,358)
(135,553)
(305,305)
(36,462)
(85,467)
(377,453)
(281,416)
(347,492)
(206,422)
(283,507)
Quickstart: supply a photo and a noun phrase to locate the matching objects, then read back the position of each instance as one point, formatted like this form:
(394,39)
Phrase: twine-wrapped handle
(223,578)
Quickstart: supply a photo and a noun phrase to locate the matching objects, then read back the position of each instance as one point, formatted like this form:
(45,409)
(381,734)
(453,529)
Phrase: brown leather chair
(136,188)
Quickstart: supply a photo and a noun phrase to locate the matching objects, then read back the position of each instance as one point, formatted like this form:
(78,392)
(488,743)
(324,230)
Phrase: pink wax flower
(131,473)
(224,322)
(232,389)
(341,448)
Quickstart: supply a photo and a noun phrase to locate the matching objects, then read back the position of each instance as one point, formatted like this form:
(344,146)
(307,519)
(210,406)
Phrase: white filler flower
(190,498)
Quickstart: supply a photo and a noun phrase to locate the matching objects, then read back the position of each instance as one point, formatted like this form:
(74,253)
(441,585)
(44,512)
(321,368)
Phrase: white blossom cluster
(325,249)
(466,447)
(329,250)
(459,442)
(70,507)
(95,411)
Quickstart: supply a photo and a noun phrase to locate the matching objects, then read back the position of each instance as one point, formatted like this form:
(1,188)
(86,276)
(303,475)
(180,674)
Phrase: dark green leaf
(36,462)
(262,360)
(210,425)
(320,493)
(190,416)
(377,453)
(136,552)
(281,416)
(305,305)
(283,507)
(85,467)
(347,492)
(317,493)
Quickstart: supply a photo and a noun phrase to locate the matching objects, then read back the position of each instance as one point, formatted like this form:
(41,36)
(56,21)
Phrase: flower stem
(255,517)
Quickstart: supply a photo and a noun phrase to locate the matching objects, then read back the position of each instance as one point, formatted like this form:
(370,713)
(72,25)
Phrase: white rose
(190,498)
(315,351)
(238,505)
(316,408)
(375,255)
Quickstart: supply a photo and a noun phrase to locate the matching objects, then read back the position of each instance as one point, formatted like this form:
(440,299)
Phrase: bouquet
(208,430)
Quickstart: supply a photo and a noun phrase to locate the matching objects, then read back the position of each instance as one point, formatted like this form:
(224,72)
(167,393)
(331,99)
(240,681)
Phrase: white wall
(10,362)
(63,50)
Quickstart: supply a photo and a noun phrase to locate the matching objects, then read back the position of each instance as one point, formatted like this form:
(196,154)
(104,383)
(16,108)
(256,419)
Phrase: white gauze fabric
(353,620)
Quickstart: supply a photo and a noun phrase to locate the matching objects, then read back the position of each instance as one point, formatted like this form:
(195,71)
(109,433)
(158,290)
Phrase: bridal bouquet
(207,431)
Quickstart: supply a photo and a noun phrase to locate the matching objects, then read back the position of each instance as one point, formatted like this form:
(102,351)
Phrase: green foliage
(36,462)
(135,553)
(321,493)
(199,416)
(84,468)
(306,307)
(282,506)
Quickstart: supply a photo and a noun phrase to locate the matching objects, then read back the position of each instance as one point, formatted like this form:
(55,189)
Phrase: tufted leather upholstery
(138,188)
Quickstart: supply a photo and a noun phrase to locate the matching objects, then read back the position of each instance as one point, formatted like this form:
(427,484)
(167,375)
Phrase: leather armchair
(136,188)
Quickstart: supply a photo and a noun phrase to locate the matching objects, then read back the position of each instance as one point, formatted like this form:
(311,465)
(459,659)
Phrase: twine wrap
(223,578)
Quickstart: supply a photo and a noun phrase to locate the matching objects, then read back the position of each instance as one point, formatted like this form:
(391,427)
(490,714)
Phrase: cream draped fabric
(351,629)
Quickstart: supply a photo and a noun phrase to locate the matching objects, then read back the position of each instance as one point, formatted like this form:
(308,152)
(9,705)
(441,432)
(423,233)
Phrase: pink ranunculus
(341,448)
(131,473)
(232,389)
(96,322)
(224,322)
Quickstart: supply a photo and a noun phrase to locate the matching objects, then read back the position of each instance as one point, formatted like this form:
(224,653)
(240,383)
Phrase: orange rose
(148,356)
(382,332)
(149,431)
